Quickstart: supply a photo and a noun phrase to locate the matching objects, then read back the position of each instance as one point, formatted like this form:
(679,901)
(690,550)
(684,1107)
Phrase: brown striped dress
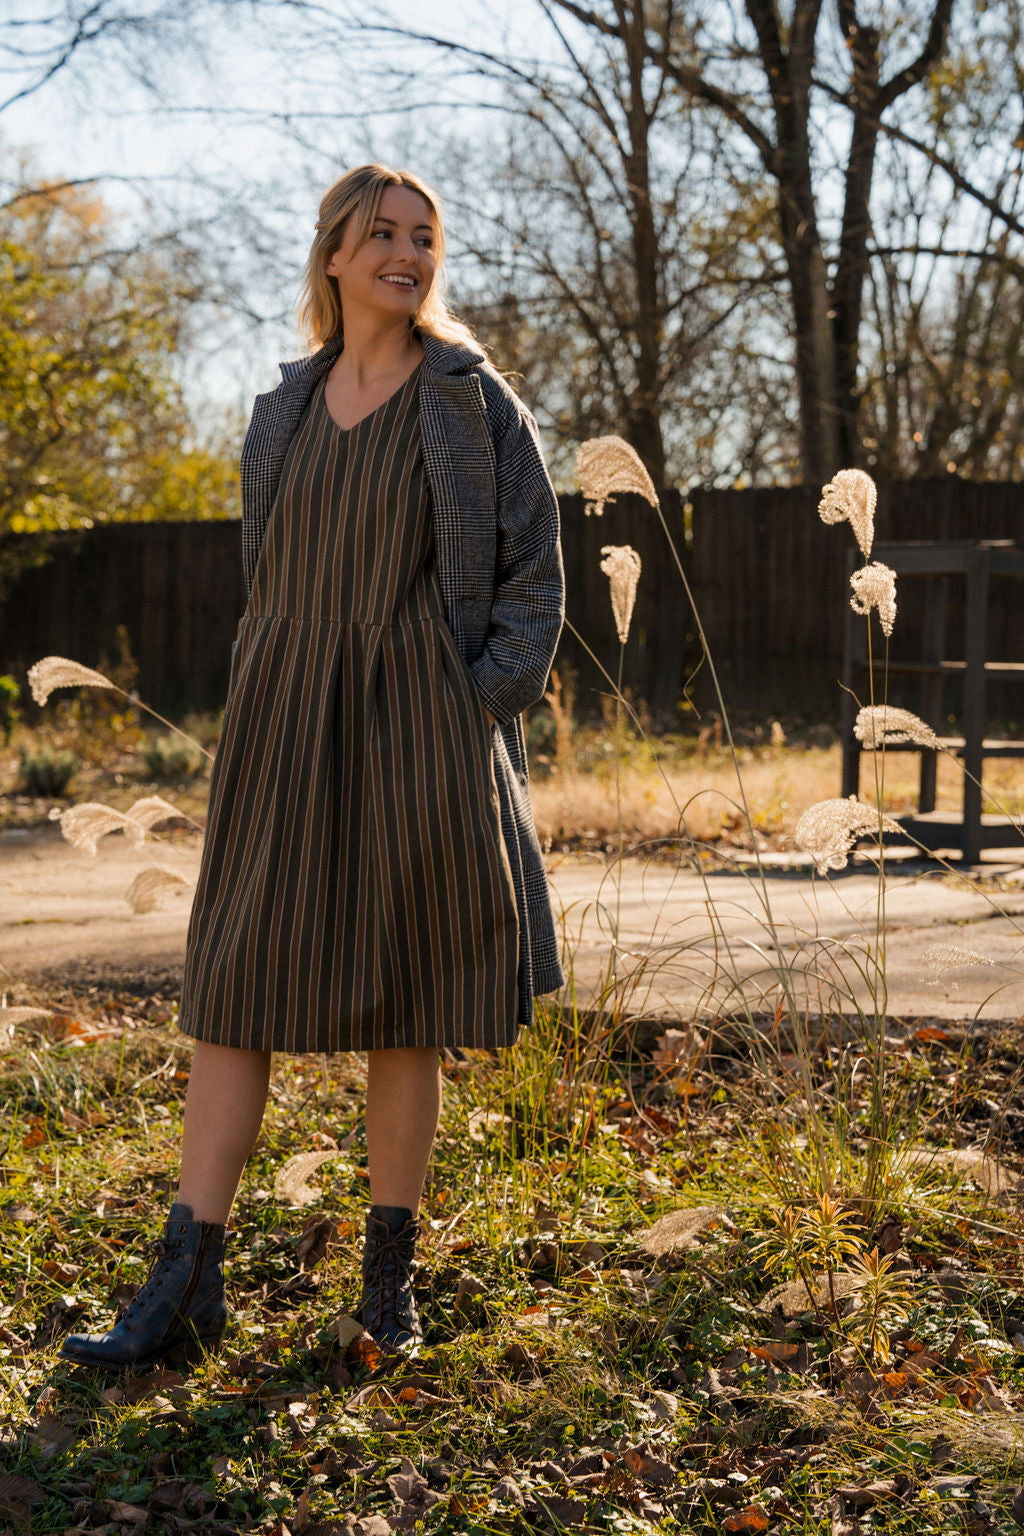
(354,891)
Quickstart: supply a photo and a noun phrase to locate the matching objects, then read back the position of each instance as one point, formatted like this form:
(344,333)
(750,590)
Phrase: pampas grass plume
(879,725)
(608,465)
(621,564)
(151,810)
(58,672)
(851,497)
(828,830)
(874,586)
(84,825)
(145,892)
(951,957)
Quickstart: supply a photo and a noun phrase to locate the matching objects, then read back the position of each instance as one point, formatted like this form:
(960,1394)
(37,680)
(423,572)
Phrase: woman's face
(391,272)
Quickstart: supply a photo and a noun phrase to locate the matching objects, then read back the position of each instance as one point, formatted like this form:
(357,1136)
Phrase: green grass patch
(617,1337)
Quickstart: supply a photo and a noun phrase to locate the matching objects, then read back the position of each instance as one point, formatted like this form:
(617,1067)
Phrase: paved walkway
(689,944)
(686,943)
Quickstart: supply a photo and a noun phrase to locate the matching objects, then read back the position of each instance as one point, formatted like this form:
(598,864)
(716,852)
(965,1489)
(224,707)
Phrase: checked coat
(499,567)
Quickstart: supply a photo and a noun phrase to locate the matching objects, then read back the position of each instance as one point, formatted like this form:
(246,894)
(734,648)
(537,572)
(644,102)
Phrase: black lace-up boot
(388,1309)
(179,1309)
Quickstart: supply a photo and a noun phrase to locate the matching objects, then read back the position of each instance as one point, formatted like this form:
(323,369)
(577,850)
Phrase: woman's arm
(529,583)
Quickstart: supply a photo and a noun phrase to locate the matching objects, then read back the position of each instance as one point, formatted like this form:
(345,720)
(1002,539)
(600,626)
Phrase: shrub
(47,772)
(169,758)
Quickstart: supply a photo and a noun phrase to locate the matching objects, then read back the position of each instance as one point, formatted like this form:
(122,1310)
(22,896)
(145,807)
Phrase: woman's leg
(227,1094)
(403,1104)
(181,1304)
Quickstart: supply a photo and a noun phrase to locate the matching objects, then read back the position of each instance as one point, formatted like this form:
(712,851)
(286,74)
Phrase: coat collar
(439,357)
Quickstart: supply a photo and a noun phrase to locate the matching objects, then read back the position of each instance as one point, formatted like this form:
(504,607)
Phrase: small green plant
(47,772)
(881,1303)
(169,759)
(9,711)
(811,1243)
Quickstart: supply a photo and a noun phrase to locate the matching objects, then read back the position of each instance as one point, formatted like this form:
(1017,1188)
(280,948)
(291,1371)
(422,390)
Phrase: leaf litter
(614,1358)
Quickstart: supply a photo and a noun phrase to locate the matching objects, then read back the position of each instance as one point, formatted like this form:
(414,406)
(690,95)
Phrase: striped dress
(354,891)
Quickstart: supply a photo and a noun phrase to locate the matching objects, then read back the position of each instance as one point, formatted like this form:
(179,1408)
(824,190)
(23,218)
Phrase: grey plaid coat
(499,564)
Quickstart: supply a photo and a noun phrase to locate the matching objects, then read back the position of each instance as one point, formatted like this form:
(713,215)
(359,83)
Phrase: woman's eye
(426,242)
(385,232)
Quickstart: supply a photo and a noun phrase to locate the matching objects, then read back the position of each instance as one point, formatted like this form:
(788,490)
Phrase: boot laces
(391,1261)
(162,1250)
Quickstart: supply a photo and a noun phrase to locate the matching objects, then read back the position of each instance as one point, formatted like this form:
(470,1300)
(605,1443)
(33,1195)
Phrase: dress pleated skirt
(354,891)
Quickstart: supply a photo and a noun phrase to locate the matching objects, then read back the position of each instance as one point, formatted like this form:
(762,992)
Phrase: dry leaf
(753,1518)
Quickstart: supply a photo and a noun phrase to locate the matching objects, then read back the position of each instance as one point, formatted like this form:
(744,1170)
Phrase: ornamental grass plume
(951,957)
(150,885)
(11,1016)
(851,497)
(828,830)
(607,465)
(152,809)
(58,672)
(621,564)
(874,586)
(84,825)
(882,725)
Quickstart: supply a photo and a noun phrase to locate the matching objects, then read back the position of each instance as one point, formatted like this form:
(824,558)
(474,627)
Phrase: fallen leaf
(753,1518)
(866,1495)
(132,1514)
(778,1350)
(647,1468)
(318,1236)
(21,1490)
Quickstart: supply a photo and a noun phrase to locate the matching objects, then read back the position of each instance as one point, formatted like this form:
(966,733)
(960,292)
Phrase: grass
(577,1373)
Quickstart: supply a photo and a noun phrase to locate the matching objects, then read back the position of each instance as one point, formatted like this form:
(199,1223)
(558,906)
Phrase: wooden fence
(767,575)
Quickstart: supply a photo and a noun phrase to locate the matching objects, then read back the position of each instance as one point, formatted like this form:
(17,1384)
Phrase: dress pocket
(459,677)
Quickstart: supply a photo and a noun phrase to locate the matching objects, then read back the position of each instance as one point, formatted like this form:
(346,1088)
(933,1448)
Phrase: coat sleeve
(529,583)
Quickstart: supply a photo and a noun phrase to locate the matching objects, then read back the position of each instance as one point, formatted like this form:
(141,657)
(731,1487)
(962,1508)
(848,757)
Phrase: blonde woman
(371,878)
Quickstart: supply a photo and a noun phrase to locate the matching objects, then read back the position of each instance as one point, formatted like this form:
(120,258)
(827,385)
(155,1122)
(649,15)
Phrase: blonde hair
(357,195)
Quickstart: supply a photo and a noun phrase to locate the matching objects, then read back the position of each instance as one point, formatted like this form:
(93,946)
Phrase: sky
(232,124)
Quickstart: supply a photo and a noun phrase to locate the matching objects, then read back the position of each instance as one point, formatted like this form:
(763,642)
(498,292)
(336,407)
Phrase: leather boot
(388,1309)
(179,1310)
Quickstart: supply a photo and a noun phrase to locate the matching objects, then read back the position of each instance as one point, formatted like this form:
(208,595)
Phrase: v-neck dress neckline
(370,414)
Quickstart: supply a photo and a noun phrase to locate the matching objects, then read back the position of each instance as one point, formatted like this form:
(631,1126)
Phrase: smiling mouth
(399,282)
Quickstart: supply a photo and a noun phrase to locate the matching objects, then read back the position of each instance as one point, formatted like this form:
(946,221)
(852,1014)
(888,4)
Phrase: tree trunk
(644,414)
(788,73)
(852,265)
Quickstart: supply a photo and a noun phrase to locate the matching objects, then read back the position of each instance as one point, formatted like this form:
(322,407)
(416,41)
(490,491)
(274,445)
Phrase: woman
(371,879)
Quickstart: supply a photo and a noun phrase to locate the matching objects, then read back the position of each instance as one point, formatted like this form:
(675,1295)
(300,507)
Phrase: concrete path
(690,944)
(686,943)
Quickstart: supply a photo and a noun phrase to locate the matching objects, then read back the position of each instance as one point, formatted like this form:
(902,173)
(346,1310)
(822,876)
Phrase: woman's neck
(375,350)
